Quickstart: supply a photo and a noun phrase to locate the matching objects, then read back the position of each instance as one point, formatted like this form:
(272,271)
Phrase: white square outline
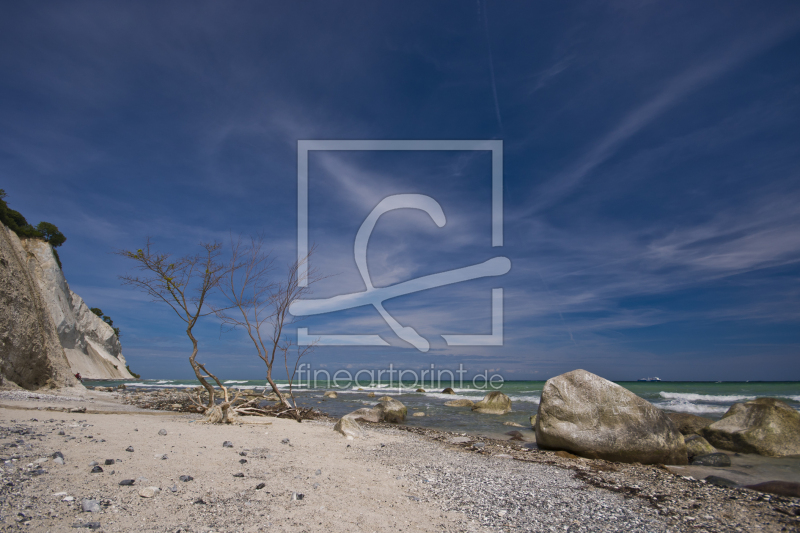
(491,145)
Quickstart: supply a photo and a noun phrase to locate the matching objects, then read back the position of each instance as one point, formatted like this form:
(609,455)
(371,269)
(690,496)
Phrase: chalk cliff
(47,333)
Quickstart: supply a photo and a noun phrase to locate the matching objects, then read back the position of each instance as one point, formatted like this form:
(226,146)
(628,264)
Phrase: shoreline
(420,473)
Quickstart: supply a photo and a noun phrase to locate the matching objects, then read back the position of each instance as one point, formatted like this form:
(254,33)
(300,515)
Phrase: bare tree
(260,306)
(184,284)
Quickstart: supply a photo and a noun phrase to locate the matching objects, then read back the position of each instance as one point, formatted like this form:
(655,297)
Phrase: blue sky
(651,170)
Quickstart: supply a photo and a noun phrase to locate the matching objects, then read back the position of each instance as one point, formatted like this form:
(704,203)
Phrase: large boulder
(392,410)
(592,417)
(494,403)
(461,402)
(348,427)
(766,426)
(689,424)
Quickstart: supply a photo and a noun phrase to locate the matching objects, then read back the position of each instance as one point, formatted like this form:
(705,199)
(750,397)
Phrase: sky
(650,192)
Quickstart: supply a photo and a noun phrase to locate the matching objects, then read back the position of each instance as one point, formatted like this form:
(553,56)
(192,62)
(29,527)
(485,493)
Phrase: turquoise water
(710,399)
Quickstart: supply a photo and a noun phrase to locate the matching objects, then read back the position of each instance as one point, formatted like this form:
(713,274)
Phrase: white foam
(234,381)
(158,386)
(691,397)
(682,406)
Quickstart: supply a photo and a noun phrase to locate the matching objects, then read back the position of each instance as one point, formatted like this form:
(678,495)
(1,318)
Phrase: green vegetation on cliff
(106,318)
(16,222)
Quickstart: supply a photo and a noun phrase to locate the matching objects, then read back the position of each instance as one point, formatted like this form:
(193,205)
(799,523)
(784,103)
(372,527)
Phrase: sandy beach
(280,475)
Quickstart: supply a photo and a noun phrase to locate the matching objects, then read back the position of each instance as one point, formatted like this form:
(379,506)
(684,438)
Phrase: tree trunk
(197,371)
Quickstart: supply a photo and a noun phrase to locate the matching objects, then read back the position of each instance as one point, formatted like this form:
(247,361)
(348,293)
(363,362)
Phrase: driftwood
(227,411)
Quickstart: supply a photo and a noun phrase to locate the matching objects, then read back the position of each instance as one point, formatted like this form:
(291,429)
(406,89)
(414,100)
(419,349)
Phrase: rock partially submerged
(448,390)
(587,415)
(494,403)
(766,426)
(330,394)
(789,489)
(393,410)
(689,424)
(388,410)
(461,402)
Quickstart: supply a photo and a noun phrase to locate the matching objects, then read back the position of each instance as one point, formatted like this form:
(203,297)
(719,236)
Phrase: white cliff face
(91,347)
(87,344)
(31,355)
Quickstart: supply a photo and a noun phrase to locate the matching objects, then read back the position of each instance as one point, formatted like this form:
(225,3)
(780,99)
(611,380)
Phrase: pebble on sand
(90,506)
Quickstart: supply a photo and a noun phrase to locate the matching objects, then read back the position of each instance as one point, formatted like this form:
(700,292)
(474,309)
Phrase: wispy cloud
(676,89)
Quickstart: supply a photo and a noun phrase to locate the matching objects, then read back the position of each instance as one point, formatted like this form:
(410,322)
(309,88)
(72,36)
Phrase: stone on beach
(371,395)
(697,445)
(348,427)
(721,482)
(330,394)
(513,424)
(393,410)
(148,492)
(90,506)
(765,426)
(689,424)
(589,416)
(461,402)
(419,414)
(494,403)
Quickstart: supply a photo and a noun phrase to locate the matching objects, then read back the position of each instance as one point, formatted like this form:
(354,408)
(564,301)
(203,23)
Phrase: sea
(708,399)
